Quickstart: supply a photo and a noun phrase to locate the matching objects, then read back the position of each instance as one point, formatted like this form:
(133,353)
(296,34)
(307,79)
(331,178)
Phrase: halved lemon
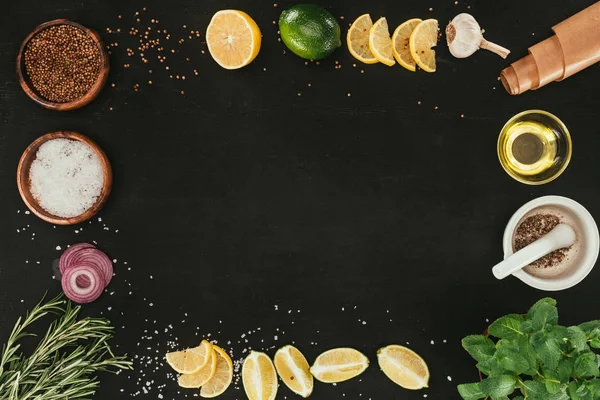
(221,380)
(380,42)
(201,377)
(401,45)
(338,365)
(422,41)
(192,360)
(404,367)
(294,371)
(358,40)
(259,377)
(233,39)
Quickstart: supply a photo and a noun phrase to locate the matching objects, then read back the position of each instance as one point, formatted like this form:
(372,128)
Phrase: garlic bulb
(465,37)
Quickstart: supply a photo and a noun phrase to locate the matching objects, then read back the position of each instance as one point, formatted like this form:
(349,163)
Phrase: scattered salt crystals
(449,378)
(58,248)
(27,212)
(432,342)
(364,322)
(66,177)
(444,341)
(114,260)
(487,320)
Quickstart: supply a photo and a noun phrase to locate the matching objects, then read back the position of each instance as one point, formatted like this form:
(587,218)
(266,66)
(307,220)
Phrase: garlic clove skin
(463,35)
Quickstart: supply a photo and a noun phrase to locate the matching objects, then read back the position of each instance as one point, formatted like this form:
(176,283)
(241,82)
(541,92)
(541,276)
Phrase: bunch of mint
(536,357)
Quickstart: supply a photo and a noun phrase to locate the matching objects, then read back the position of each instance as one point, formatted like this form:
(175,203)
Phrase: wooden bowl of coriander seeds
(64,178)
(62,65)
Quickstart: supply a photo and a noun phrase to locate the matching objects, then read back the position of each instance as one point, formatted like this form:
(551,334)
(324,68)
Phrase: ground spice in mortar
(532,229)
(63,63)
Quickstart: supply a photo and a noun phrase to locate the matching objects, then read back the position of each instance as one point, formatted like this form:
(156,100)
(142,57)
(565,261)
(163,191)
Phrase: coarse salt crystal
(66,177)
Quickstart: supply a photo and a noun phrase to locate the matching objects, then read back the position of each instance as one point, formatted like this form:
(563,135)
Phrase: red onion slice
(95,257)
(72,281)
(66,257)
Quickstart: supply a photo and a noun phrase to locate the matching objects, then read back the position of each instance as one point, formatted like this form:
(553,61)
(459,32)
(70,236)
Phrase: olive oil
(530,147)
(534,147)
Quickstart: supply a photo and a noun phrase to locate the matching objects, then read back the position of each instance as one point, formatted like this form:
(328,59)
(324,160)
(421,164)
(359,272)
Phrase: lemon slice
(358,40)
(380,42)
(404,367)
(192,360)
(233,39)
(221,380)
(294,371)
(259,377)
(338,365)
(401,45)
(201,377)
(422,41)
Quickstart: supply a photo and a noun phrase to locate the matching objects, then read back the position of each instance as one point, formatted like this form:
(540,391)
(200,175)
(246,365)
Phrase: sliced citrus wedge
(338,365)
(401,45)
(294,371)
(358,40)
(422,41)
(259,377)
(221,380)
(201,377)
(380,42)
(192,360)
(233,39)
(404,367)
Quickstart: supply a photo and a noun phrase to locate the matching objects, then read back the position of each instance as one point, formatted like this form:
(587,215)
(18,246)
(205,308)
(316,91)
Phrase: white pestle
(561,236)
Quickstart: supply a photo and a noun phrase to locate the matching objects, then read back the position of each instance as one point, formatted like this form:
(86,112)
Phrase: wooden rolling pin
(574,46)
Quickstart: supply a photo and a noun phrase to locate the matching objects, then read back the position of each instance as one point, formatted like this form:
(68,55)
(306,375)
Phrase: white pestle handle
(561,236)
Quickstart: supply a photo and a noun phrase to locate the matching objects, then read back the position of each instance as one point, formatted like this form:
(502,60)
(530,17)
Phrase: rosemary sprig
(64,363)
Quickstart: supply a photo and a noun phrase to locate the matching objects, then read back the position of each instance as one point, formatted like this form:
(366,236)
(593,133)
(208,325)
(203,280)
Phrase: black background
(240,200)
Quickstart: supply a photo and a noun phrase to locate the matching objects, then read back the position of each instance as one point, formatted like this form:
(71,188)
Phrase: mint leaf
(490,367)
(498,386)
(527,351)
(551,381)
(546,301)
(534,390)
(577,338)
(479,347)
(544,315)
(547,348)
(588,327)
(593,385)
(586,365)
(507,327)
(509,356)
(564,371)
(579,391)
(470,391)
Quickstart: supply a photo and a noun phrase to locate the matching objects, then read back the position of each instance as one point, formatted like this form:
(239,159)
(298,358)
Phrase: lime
(309,31)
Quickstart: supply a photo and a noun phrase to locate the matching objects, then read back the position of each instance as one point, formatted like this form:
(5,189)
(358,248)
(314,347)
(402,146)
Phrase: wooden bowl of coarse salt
(64,178)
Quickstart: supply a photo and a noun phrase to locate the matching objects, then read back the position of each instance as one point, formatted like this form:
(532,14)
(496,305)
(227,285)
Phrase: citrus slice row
(338,365)
(358,40)
(294,371)
(422,41)
(191,360)
(401,43)
(380,42)
(222,377)
(259,377)
(404,367)
(199,378)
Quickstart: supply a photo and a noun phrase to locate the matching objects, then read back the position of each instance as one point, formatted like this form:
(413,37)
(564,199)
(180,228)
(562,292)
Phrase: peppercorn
(63,63)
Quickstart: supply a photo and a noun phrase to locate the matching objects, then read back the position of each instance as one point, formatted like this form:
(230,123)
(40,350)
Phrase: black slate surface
(239,203)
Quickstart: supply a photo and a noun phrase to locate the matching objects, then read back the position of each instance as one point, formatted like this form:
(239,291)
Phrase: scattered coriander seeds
(63,63)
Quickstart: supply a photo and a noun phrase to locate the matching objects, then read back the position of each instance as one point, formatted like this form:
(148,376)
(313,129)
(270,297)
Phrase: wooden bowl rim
(84,100)
(24,186)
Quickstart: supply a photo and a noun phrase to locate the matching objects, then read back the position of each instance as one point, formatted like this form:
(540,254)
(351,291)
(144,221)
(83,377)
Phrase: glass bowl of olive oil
(534,147)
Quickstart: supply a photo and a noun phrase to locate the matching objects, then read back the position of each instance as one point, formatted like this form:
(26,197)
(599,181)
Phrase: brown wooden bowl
(24,183)
(33,93)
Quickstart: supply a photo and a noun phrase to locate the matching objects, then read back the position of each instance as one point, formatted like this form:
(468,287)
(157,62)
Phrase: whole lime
(309,31)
